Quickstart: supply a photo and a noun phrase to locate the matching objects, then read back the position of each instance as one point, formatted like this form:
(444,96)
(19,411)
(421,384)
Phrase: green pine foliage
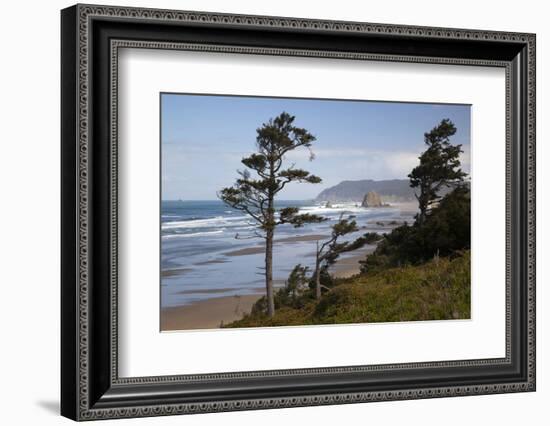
(439,167)
(445,231)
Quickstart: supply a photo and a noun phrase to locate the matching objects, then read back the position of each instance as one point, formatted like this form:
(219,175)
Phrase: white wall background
(29,213)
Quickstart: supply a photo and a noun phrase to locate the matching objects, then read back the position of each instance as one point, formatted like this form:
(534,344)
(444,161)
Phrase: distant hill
(354,190)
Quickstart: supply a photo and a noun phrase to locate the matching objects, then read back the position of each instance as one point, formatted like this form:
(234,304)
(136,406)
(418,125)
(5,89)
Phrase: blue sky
(204,138)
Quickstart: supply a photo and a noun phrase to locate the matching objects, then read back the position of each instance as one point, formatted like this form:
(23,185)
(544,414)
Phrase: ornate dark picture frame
(91,387)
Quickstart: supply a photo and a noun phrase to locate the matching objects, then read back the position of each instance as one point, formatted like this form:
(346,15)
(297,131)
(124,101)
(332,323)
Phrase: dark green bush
(445,230)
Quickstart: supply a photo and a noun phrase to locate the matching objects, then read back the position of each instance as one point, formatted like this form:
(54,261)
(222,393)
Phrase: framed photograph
(263,212)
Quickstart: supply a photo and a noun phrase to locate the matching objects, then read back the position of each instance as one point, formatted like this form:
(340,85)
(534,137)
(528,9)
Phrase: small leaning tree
(254,192)
(439,167)
(328,252)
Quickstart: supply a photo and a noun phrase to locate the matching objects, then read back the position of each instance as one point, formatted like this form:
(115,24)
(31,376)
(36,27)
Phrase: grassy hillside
(436,290)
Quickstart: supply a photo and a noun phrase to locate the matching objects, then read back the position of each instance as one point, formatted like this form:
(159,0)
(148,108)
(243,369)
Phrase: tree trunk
(270,231)
(422,214)
(424,201)
(422,206)
(317,274)
(269,273)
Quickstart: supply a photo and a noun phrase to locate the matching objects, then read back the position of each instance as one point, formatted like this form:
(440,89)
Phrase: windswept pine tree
(265,176)
(439,167)
(442,227)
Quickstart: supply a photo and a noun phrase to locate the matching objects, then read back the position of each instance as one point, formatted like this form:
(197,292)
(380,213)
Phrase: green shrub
(436,290)
(445,231)
(295,293)
(439,289)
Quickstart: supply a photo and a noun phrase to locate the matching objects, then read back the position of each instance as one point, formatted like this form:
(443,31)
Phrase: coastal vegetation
(418,271)
(436,290)
(265,176)
(327,252)
(439,167)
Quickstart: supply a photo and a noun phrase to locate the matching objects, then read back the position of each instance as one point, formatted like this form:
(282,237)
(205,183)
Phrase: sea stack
(372,199)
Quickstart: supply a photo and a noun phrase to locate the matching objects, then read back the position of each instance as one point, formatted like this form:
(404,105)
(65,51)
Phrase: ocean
(209,250)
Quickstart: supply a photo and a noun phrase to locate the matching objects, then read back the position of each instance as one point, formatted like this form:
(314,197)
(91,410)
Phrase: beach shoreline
(222,299)
(214,312)
(348,266)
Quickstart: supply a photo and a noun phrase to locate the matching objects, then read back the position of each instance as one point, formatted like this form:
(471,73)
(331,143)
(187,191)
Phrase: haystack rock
(372,199)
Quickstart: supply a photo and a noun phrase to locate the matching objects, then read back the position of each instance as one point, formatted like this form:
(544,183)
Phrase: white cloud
(401,163)
(465,159)
(181,167)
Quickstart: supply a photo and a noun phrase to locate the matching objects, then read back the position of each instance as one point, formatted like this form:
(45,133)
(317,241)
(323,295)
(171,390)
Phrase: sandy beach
(348,266)
(212,313)
(209,313)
